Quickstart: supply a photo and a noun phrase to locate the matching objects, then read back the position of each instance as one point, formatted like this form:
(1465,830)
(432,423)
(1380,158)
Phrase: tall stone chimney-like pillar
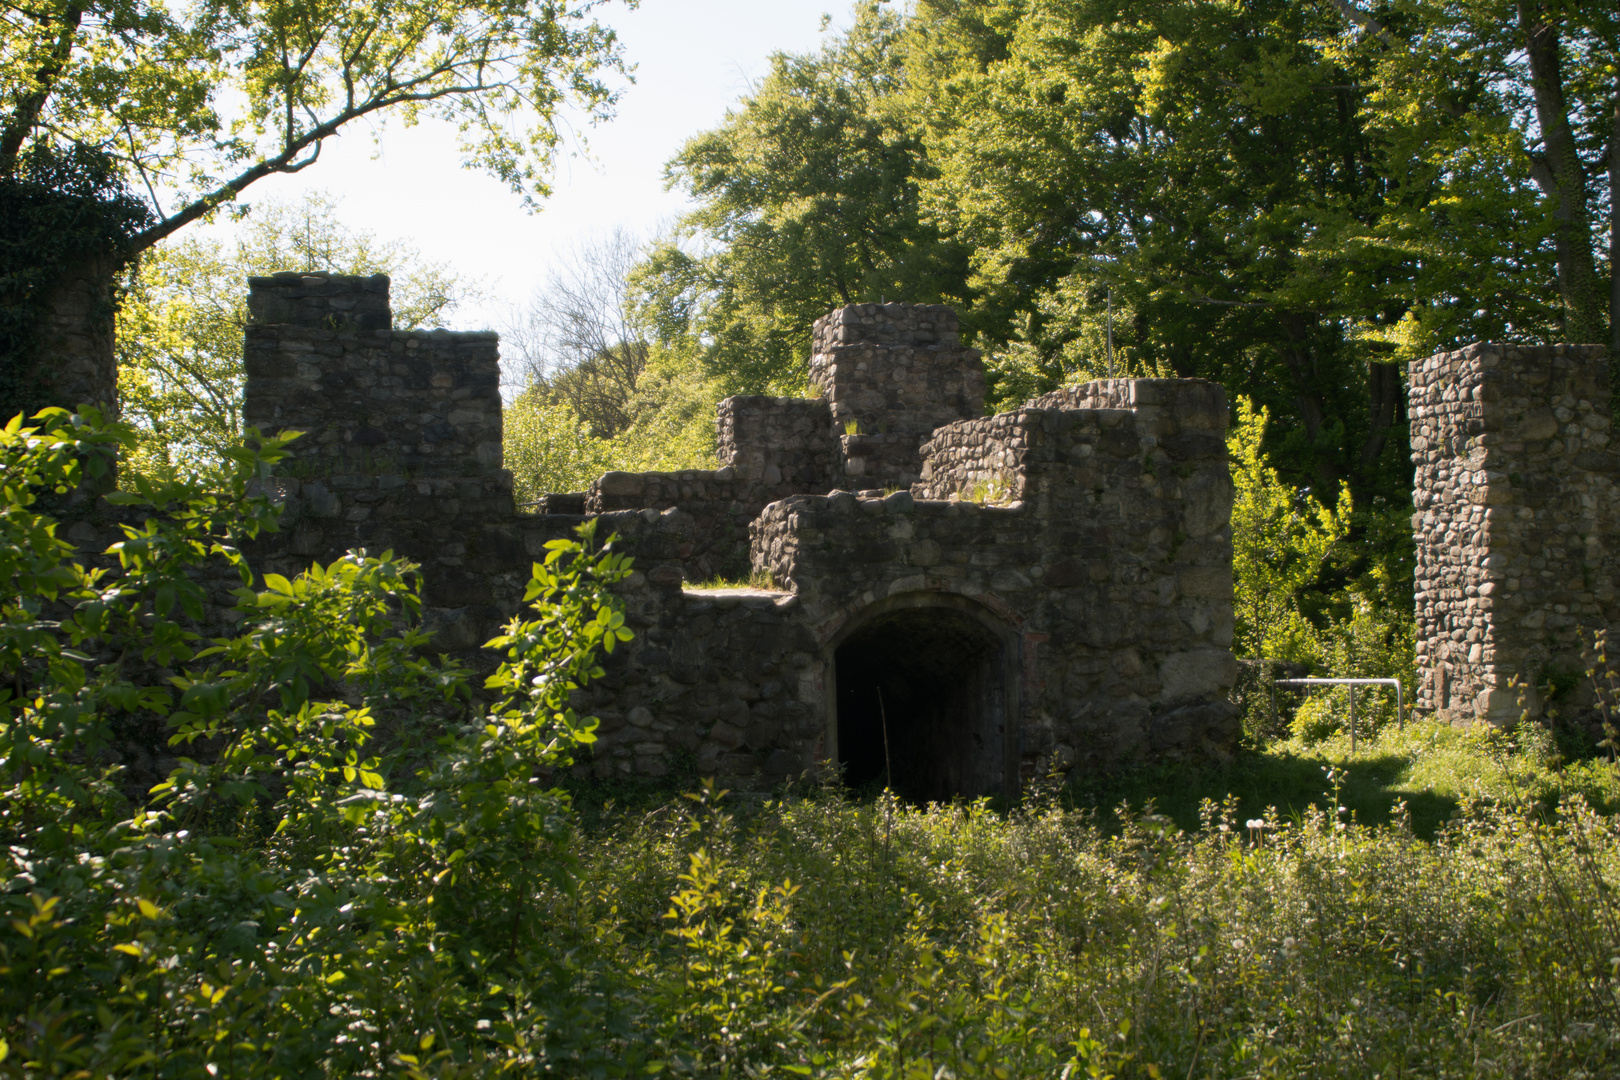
(1515,524)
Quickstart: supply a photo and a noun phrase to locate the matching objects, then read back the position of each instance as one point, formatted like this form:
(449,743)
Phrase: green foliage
(201,102)
(342,878)
(669,427)
(547,449)
(180,375)
(820,937)
(806,200)
(1280,540)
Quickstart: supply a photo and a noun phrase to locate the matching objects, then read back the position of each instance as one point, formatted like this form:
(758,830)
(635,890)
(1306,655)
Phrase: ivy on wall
(59,208)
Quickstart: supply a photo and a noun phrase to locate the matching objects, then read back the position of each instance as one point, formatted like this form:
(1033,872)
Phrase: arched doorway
(937,676)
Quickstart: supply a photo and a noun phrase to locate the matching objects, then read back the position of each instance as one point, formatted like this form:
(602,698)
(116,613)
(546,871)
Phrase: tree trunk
(1299,357)
(1614,230)
(1384,393)
(1562,179)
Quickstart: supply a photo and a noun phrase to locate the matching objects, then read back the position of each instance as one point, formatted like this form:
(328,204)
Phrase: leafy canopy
(807,200)
(195,102)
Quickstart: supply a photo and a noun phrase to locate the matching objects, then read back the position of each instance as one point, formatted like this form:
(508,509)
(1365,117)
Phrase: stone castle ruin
(1004,595)
(1517,521)
(1047,588)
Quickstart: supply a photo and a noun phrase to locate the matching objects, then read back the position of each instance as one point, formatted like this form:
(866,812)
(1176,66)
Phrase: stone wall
(1087,621)
(891,374)
(773,441)
(1111,563)
(401,447)
(1164,408)
(370,400)
(718,505)
(1516,522)
(76,358)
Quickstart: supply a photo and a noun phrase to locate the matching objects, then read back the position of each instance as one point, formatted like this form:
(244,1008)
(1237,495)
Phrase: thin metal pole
(1110,331)
(1352,719)
(1400,696)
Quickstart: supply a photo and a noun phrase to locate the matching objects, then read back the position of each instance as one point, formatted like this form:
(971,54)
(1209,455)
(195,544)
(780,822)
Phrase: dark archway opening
(935,678)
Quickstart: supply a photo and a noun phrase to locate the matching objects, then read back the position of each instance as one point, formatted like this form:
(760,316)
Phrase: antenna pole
(1110,331)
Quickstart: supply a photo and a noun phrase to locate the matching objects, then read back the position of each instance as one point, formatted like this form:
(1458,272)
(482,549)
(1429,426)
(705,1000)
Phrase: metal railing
(1400,701)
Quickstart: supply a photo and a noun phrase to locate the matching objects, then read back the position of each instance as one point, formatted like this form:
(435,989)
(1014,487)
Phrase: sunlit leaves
(199,102)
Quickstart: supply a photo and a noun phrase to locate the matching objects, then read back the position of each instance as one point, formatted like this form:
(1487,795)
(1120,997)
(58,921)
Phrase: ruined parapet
(985,460)
(1515,524)
(402,437)
(714,503)
(1045,450)
(772,441)
(1164,407)
(891,374)
(1109,556)
(768,447)
(370,400)
(320,301)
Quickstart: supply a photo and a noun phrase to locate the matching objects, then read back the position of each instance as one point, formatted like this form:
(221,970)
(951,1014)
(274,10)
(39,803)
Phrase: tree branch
(286,161)
(30,105)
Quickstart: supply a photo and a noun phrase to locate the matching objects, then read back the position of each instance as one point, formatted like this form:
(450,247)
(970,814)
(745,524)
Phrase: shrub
(301,896)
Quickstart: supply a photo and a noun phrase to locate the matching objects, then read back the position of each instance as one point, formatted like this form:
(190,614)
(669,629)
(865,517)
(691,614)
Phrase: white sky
(694,59)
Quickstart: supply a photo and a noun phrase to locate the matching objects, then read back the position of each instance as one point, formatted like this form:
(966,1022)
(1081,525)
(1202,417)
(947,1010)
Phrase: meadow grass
(1431,766)
(1456,918)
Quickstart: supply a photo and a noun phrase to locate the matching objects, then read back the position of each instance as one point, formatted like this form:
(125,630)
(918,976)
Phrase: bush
(301,896)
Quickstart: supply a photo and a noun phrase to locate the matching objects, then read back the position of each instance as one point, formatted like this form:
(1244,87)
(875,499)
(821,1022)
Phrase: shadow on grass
(1290,783)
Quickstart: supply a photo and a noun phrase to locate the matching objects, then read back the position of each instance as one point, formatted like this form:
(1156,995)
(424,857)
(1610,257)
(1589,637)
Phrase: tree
(180,328)
(598,392)
(580,342)
(547,449)
(1203,170)
(196,104)
(1540,81)
(807,200)
(1280,542)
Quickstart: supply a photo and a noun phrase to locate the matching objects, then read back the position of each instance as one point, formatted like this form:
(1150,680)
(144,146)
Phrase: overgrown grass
(823,936)
(759,579)
(1457,918)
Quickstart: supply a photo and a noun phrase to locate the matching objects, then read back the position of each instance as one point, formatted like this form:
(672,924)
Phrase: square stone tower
(893,373)
(1516,522)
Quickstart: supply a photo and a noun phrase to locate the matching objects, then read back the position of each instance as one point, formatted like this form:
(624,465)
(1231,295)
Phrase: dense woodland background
(1291,198)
